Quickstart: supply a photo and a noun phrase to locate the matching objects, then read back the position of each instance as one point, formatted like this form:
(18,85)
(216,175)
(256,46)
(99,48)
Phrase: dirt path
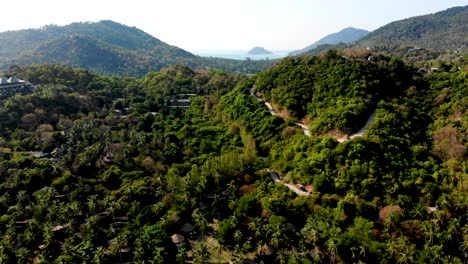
(361,132)
(268,105)
(275,177)
(272,111)
(273,174)
(306,130)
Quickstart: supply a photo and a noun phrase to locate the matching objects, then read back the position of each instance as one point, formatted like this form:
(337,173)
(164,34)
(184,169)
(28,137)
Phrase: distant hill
(259,51)
(346,35)
(440,31)
(106,47)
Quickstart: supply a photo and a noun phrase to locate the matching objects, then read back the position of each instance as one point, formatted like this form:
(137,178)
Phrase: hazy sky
(224,24)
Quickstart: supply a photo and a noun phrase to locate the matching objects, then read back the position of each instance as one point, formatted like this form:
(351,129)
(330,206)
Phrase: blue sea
(241,54)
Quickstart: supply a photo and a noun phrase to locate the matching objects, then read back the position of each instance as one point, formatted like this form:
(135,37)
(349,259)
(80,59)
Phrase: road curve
(268,105)
(361,132)
(273,174)
(306,130)
(275,177)
(272,111)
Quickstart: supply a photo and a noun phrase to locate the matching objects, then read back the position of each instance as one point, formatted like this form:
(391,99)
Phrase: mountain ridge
(106,47)
(346,35)
(440,30)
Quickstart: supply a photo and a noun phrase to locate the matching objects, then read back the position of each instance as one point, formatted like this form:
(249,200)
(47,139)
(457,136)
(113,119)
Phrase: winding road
(272,111)
(275,177)
(268,105)
(273,174)
(306,130)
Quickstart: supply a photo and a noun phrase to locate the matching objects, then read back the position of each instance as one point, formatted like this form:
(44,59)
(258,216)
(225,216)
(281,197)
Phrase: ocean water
(241,54)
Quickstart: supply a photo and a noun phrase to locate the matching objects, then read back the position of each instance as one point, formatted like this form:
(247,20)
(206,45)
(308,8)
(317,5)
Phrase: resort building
(10,84)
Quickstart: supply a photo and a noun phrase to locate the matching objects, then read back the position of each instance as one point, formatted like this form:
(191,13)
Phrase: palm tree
(434,252)
(281,256)
(200,221)
(156,208)
(405,249)
(428,231)
(238,256)
(22,197)
(238,235)
(92,204)
(419,211)
(158,257)
(452,229)
(392,248)
(23,255)
(201,185)
(332,249)
(45,195)
(255,226)
(404,258)
(99,254)
(310,234)
(201,253)
(362,252)
(464,243)
(295,256)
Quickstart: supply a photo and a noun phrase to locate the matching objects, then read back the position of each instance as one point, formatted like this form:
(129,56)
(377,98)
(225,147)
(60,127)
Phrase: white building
(13,84)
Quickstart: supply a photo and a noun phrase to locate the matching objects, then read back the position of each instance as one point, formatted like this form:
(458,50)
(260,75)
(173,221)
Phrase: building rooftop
(13,79)
(10,80)
(10,83)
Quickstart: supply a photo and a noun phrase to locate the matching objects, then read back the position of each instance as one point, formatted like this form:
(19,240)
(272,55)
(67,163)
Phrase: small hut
(177,239)
(387,211)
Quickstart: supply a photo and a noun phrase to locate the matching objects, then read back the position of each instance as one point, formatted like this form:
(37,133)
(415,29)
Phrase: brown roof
(389,210)
(177,239)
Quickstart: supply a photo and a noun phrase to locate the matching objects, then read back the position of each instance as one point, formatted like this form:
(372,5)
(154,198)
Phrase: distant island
(259,51)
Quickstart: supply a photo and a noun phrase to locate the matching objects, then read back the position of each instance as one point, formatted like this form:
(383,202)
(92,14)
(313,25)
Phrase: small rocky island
(259,51)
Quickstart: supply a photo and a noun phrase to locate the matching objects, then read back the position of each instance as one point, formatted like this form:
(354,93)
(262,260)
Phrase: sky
(196,25)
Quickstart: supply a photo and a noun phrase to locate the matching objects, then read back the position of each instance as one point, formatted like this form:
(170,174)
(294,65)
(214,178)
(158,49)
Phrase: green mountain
(346,35)
(439,36)
(106,47)
(440,31)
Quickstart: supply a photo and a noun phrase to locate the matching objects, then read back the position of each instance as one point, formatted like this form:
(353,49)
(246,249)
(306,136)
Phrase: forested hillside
(443,30)
(334,93)
(105,47)
(421,40)
(97,169)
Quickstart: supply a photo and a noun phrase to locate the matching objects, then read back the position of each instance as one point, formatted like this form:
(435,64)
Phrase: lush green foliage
(123,170)
(335,93)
